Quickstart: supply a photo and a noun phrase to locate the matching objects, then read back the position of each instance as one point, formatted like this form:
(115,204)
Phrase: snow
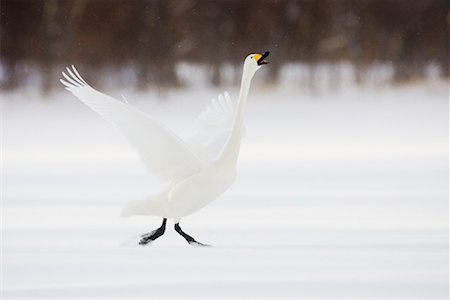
(339,195)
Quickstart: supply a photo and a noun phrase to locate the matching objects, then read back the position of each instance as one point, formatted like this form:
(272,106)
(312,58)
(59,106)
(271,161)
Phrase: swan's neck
(231,149)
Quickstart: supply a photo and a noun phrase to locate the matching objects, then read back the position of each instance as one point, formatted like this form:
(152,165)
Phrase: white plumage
(193,172)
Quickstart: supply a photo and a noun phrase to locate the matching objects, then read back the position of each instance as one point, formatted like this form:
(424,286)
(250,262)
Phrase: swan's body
(194,172)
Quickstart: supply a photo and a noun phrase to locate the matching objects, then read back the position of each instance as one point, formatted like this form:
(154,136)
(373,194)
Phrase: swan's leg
(188,238)
(151,236)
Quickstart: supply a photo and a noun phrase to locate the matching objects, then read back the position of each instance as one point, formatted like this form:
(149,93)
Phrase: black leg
(151,236)
(188,238)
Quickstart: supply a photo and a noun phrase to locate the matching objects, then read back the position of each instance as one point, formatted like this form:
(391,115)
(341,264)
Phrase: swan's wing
(219,114)
(214,126)
(162,152)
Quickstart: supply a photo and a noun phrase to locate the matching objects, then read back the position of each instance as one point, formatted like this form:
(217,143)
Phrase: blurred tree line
(152,36)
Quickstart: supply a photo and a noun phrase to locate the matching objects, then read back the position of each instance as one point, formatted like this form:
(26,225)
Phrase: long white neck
(230,151)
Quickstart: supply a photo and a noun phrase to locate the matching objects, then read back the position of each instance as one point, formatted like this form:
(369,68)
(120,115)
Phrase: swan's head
(255,61)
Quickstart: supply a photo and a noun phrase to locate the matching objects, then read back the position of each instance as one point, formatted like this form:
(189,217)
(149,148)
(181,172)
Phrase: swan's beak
(261,60)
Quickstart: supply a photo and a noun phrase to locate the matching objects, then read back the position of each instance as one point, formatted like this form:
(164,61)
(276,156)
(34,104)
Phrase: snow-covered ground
(338,196)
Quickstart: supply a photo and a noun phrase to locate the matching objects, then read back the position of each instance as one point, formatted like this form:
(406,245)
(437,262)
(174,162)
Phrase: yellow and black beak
(260,58)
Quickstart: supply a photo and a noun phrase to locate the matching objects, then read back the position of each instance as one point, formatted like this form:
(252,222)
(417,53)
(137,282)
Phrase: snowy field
(339,195)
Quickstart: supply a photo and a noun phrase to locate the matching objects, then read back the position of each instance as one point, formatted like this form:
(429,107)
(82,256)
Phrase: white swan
(194,172)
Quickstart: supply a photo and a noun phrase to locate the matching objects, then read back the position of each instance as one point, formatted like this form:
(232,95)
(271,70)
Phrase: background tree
(149,37)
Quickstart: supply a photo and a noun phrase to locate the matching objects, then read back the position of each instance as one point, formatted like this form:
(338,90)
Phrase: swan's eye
(251,57)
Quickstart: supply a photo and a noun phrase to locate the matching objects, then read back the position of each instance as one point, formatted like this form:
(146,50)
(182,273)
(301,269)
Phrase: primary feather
(214,126)
(219,114)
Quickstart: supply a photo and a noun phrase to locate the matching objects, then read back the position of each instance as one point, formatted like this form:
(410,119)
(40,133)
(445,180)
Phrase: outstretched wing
(215,123)
(219,114)
(162,152)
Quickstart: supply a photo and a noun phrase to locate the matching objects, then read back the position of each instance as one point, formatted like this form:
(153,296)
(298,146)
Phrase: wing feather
(219,114)
(215,123)
(162,152)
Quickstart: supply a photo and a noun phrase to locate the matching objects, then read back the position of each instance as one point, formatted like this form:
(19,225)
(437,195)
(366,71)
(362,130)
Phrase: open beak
(261,61)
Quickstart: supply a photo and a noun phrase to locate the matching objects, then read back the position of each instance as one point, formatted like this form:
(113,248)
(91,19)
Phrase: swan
(193,172)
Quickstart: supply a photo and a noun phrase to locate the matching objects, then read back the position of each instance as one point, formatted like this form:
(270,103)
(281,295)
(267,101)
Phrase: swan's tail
(155,205)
